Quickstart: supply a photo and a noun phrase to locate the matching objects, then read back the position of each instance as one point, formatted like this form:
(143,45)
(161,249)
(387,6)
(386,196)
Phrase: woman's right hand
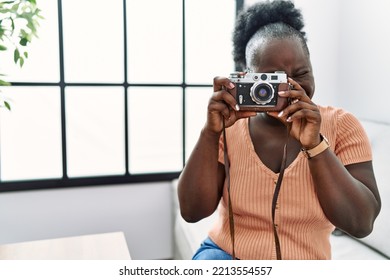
(201,182)
(223,105)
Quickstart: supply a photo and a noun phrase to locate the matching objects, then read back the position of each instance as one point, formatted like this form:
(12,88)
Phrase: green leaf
(25,54)
(3,48)
(21,61)
(23,42)
(4,83)
(7,105)
(15,8)
(12,24)
(16,55)
(8,2)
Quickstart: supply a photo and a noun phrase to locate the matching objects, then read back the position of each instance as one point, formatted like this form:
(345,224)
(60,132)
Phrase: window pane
(42,64)
(209,39)
(93,41)
(95,131)
(154,41)
(30,138)
(155,125)
(196,113)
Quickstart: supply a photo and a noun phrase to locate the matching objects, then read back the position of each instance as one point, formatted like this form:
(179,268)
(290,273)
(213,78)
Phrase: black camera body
(259,91)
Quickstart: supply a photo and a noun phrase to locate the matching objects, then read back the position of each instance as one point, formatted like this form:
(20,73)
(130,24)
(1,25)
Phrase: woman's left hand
(302,114)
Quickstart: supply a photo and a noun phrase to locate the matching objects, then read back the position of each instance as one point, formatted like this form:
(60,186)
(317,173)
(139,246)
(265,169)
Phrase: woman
(328,179)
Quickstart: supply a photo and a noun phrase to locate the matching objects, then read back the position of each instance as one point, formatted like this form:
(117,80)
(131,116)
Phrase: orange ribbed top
(303,228)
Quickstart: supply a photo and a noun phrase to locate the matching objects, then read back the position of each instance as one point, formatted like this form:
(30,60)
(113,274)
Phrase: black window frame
(127,178)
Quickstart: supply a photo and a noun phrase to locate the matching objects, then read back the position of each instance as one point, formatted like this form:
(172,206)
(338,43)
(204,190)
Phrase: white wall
(350,54)
(365,58)
(141,211)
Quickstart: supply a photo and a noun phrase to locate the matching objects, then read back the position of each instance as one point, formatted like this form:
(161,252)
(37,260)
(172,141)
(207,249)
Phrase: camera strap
(276,195)
(274,199)
(227,176)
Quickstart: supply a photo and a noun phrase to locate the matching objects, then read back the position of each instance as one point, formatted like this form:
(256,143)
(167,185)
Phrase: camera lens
(262,93)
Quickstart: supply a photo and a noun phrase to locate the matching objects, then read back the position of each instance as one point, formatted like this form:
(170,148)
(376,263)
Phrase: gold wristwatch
(317,149)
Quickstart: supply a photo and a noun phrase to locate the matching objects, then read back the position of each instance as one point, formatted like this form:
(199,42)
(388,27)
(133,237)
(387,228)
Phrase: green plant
(19,21)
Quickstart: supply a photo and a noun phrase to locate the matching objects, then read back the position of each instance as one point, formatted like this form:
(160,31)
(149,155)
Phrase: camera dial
(255,77)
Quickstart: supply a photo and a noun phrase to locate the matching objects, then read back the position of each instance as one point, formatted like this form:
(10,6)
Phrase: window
(112,93)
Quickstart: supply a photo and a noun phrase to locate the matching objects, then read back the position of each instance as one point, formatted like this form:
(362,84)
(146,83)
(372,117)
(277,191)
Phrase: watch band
(317,149)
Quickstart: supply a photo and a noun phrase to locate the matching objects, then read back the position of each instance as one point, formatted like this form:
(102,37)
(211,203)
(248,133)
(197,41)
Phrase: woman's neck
(264,119)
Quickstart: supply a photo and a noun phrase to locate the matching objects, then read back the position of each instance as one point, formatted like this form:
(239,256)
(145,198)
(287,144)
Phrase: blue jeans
(210,251)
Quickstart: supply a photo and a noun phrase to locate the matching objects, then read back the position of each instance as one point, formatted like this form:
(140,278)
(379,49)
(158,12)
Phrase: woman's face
(286,55)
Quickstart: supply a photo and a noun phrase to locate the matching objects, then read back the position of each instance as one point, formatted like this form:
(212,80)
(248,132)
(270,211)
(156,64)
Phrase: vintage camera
(259,91)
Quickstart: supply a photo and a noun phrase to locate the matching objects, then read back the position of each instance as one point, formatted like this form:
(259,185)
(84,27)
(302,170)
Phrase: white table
(104,246)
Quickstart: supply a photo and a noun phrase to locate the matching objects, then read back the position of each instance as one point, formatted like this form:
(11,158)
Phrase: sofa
(376,246)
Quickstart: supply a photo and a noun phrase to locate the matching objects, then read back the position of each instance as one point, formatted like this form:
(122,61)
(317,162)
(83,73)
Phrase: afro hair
(259,15)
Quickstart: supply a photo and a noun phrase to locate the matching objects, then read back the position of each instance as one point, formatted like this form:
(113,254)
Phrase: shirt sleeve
(352,143)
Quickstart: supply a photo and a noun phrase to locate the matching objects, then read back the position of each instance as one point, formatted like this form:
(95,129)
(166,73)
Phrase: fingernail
(231,85)
(237,107)
(280,114)
(282,92)
(289,119)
